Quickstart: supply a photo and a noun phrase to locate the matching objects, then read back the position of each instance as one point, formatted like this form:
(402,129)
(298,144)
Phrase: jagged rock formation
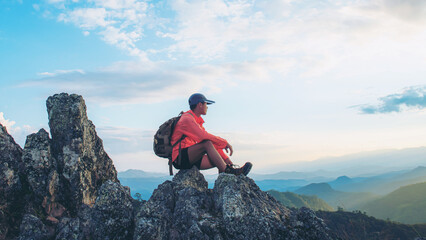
(234,209)
(66,187)
(52,180)
(81,159)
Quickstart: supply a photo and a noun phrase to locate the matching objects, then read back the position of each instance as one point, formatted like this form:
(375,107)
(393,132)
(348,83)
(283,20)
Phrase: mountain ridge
(336,199)
(406,204)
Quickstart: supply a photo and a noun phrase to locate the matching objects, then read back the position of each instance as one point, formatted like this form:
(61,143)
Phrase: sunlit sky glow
(293,80)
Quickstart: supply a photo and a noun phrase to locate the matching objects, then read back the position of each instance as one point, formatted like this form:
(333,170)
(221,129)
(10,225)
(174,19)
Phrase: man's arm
(191,129)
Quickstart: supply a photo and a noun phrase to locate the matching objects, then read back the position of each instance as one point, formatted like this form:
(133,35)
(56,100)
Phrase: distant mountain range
(294,200)
(364,164)
(314,176)
(380,184)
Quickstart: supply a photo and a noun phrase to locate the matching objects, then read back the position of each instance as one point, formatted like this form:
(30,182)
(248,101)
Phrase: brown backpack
(162,140)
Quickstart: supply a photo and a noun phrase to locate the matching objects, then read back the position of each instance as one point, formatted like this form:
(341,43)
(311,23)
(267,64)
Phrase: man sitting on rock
(198,147)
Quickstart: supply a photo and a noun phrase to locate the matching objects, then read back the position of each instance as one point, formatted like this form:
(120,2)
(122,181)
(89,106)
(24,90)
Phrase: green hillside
(346,200)
(406,205)
(290,199)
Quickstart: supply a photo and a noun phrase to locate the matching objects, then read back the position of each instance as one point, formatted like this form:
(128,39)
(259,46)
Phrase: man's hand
(230,149)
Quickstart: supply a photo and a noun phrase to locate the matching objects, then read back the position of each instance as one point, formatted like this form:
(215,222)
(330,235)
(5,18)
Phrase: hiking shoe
(246,168)
(231,169)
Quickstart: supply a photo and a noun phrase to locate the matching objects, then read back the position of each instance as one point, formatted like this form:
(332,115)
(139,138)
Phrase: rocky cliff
(66,187)
(10,183)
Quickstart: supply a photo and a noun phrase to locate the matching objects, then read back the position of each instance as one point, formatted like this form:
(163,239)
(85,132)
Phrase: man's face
(203,107)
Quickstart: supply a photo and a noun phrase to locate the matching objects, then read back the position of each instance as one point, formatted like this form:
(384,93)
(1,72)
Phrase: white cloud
(206,29)
(412,10)
(123,40)
(59,72)
(5,122)
(19,133)
(119,22)
(36,7)
(316,37)
(120,4)
(138,82)
(88,18)
(412,97)
(304,32)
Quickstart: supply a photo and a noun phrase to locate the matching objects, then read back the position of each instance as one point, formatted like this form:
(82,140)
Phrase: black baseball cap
(197,98)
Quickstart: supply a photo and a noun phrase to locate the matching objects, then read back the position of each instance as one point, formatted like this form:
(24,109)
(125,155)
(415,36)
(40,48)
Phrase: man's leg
(197,151)
(223,155)
(206,163)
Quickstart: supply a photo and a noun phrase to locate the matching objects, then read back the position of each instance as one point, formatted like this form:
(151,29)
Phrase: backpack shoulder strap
(178,141)
(191,114)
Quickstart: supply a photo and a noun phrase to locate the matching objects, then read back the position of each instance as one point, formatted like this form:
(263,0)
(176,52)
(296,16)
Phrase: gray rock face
(82,162)
(177,208)
(111,217)
(10,164)
(235,209)
(10,183)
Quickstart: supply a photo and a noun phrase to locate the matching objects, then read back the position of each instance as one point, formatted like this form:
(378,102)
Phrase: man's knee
(207,143)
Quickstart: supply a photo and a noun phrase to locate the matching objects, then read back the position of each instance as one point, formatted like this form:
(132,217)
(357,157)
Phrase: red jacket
(192,127)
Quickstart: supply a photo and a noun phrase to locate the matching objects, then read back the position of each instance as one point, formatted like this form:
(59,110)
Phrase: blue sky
(293,81)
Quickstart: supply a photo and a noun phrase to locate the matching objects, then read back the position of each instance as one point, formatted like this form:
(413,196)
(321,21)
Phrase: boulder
(42,177)
(246,211)
(38,162)
(77,228)
(112,216)
(32,228)
(71,229)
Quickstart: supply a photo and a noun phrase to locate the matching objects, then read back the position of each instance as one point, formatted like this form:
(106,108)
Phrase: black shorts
(185,164)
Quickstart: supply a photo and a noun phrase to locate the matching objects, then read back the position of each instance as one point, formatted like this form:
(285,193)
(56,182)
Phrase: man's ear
(200,104)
